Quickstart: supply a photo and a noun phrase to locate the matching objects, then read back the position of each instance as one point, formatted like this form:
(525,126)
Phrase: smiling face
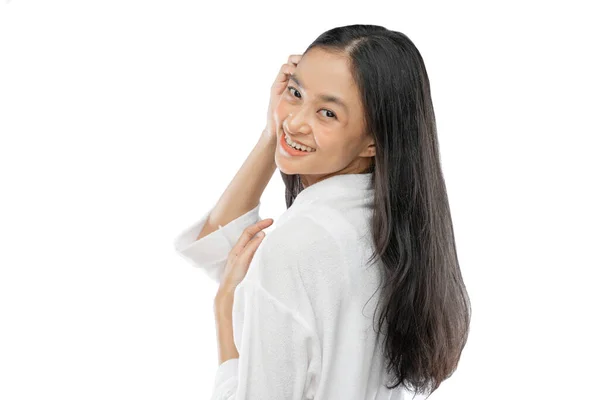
(321,109)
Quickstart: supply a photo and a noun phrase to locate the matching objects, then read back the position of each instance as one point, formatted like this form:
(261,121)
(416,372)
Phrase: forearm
(223,307)
(246,188)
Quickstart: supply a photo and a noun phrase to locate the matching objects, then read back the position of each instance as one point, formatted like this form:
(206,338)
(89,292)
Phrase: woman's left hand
(241,255)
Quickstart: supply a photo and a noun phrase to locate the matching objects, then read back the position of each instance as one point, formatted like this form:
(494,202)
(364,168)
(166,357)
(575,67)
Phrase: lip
(296,141)
(290,151)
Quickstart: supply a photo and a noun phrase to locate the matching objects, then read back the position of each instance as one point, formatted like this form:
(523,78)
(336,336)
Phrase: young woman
(357,292)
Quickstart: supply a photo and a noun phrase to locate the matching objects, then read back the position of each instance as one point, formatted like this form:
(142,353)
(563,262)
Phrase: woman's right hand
(277,89)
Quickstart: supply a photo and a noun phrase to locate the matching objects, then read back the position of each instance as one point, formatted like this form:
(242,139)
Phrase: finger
(281,82)
(247,253)
(249,233)
(284,72)
(289,68)
(294,58)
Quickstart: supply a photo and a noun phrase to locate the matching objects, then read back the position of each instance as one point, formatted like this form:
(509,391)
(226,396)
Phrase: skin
(338,134)
(238,261)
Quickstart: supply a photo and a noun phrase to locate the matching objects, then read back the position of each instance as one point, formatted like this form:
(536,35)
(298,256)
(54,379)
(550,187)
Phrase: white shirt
(303,316)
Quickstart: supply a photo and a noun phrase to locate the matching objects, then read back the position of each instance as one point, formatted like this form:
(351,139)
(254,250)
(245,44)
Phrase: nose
(296,124)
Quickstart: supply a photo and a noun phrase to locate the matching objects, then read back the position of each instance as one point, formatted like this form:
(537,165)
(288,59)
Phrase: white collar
(337,186)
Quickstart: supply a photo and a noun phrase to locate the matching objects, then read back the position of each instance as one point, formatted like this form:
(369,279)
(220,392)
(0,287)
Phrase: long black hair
(426,309)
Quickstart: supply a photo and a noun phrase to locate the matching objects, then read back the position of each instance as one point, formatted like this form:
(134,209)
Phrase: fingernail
(261,234)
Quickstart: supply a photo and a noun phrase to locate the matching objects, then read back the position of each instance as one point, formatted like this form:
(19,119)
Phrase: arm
(246,188)
(210,253)
(223,308)
(279,353)
(242,195)
(207,242)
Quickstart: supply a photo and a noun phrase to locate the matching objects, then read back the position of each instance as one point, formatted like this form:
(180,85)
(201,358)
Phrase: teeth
(298,146)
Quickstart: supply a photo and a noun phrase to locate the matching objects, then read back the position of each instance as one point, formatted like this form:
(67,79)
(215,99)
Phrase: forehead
(325,73)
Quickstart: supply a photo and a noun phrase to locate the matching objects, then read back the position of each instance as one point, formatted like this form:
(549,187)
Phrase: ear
(369,151)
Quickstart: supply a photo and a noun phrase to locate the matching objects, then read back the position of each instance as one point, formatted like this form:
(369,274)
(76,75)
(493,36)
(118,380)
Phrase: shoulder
(294,257)
(302,235)
(301,244)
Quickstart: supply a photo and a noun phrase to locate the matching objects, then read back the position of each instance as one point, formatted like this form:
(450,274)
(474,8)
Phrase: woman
(368,219)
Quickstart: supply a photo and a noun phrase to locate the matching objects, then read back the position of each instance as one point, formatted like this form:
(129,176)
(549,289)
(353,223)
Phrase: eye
(291,87)
(332,114)
(324,109)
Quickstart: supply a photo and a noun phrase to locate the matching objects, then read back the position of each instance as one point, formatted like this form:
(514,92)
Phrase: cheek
(280,110)
(328,144)
(338,148)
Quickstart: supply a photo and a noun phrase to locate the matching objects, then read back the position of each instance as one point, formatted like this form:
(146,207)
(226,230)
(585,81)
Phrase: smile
(288,150)
(297,145)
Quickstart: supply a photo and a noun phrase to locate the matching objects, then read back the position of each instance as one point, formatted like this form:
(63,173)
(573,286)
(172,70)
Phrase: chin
(285,170)
(283,167)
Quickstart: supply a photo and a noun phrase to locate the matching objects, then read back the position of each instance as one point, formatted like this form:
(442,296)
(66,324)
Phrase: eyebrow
(328,98)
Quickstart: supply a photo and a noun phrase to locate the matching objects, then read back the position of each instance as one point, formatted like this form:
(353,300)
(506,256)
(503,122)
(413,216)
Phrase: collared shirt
(303,317)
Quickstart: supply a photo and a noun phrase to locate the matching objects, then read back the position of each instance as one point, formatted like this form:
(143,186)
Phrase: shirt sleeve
(274,317)
(210,253)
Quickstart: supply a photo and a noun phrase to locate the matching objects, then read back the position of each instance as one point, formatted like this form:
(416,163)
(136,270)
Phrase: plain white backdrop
(121,122)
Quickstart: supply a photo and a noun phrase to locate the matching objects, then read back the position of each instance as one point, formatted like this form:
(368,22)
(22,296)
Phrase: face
(309,115)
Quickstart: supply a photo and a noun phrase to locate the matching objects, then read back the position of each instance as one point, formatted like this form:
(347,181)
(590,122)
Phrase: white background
(122,121)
